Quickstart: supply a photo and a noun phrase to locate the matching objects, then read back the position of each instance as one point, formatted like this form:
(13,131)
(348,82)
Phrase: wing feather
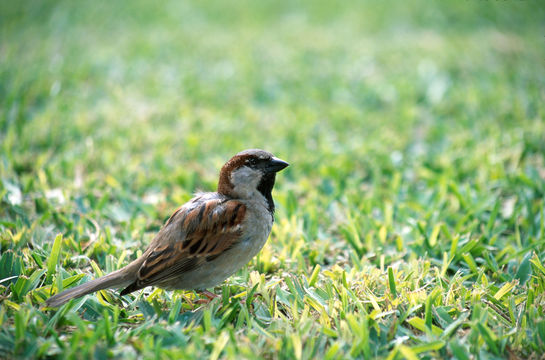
(194,234)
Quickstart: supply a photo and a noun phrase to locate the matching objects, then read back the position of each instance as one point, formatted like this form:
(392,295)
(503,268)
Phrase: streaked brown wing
(193,235)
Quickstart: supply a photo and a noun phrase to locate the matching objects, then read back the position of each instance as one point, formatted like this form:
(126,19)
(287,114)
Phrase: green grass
(411,223)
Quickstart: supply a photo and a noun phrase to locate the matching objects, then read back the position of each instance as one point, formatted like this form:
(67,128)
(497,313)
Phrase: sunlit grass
(410,224)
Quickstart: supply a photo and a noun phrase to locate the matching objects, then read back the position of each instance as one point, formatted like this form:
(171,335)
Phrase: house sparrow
(207,239)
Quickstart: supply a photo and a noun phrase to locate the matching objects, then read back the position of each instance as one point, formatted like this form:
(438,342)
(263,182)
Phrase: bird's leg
(209,297)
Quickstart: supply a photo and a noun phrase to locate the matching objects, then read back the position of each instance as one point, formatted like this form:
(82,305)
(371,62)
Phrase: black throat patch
(265,188)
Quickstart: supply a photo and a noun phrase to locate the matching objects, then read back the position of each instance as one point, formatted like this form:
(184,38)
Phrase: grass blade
(53,257)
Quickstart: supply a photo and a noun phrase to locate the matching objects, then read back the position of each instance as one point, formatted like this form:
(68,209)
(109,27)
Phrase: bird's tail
(115,279)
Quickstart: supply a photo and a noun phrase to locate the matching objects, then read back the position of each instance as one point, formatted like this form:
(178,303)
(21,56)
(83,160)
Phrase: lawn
(410,224)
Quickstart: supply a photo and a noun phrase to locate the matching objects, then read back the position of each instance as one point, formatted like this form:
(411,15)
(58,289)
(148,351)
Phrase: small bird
(205,240)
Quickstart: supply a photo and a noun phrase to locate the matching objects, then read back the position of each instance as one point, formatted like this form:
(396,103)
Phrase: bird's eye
(251,161)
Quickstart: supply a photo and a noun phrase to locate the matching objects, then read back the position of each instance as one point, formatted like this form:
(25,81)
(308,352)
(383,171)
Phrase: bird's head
(250,172)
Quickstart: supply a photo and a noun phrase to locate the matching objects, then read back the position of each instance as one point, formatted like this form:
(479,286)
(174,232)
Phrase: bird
(207,239)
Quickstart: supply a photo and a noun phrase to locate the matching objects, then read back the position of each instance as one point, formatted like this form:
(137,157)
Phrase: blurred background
(415,133)
(140,103)
(155,86)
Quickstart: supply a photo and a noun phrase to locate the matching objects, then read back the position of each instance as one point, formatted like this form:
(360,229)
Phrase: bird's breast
(256,228)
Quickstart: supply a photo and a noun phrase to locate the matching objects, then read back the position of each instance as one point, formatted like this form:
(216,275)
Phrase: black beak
(275,165)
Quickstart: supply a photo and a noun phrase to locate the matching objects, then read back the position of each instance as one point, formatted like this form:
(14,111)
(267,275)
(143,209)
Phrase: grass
(410,224)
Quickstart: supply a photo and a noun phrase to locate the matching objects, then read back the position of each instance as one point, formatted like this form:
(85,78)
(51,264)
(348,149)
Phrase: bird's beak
(275,165)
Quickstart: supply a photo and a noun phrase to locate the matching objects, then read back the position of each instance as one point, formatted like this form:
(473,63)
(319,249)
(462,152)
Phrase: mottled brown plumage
(208,234)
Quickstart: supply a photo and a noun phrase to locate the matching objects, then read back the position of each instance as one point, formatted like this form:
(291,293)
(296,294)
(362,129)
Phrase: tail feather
(114,280)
